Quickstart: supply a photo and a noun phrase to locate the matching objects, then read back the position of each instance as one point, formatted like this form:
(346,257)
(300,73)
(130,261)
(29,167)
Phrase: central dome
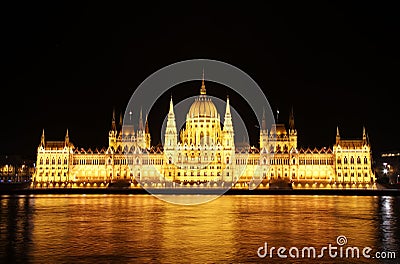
(203,107)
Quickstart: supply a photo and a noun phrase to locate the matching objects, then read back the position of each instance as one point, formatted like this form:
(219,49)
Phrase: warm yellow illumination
(204,154)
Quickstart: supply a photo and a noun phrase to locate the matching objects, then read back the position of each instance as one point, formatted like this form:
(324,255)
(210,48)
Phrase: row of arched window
(345,160)
(53,161)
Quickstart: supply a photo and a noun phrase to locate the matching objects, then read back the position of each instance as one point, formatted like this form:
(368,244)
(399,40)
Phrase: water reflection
(16,226)
(230,229)
(388,214)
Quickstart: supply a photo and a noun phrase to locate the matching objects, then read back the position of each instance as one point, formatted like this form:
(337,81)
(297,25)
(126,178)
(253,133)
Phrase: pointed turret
(228,127)
(203,86)
(228,117)
(147,134)
(113,124)
(292,131)
(146,126)
(67,139)
(337,135)
(263,132)
(364,136)
(141,120)
(291,120)
(112,135)
(170,131)
(263,121)
(171,109)
(140,134)
(42,140)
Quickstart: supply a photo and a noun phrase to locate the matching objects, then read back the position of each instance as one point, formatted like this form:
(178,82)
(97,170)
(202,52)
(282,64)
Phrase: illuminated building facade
(204,152)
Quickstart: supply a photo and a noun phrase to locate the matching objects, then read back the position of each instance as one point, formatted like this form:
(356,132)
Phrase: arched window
(41,161)
(358,160)
(53,161)
(65,161)
(365,160)
(351,160)
(59,161)
(345,160)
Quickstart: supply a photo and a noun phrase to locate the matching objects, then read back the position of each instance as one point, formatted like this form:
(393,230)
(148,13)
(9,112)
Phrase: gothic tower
(170,132)
(263,133)
(292,131)
(147,134)
(112,134)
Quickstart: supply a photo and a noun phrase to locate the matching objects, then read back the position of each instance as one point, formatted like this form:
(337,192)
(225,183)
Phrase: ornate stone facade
(205,153)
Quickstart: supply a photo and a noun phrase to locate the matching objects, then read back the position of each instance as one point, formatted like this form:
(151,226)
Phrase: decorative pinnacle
(203,86)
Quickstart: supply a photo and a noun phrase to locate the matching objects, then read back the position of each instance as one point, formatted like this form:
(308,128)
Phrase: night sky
(68,66)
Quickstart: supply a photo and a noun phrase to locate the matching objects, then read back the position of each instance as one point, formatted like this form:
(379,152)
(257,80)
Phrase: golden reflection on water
(230,229)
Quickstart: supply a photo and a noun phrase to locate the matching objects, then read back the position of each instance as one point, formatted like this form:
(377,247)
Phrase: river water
(229,229)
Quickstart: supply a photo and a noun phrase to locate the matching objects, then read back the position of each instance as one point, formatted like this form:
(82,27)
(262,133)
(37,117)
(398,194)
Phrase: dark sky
(68,65)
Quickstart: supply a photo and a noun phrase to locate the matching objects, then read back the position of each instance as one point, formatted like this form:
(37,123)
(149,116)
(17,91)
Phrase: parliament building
(204,153)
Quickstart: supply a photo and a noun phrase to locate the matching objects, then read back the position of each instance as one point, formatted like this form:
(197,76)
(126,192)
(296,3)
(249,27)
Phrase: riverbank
(204,191)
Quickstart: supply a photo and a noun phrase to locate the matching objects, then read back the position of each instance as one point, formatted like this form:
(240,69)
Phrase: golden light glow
(204,156)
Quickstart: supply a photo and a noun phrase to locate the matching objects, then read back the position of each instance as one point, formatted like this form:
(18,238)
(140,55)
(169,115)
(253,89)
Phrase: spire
(337,135)
(228,107)
(291,120)
(120,120)
(147,126)
(113,125)
(364,136)
(67,138)
(141,120)
(263,121)
(42,142)
(171,106)
(170,130)
(203,86)
(228,117)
